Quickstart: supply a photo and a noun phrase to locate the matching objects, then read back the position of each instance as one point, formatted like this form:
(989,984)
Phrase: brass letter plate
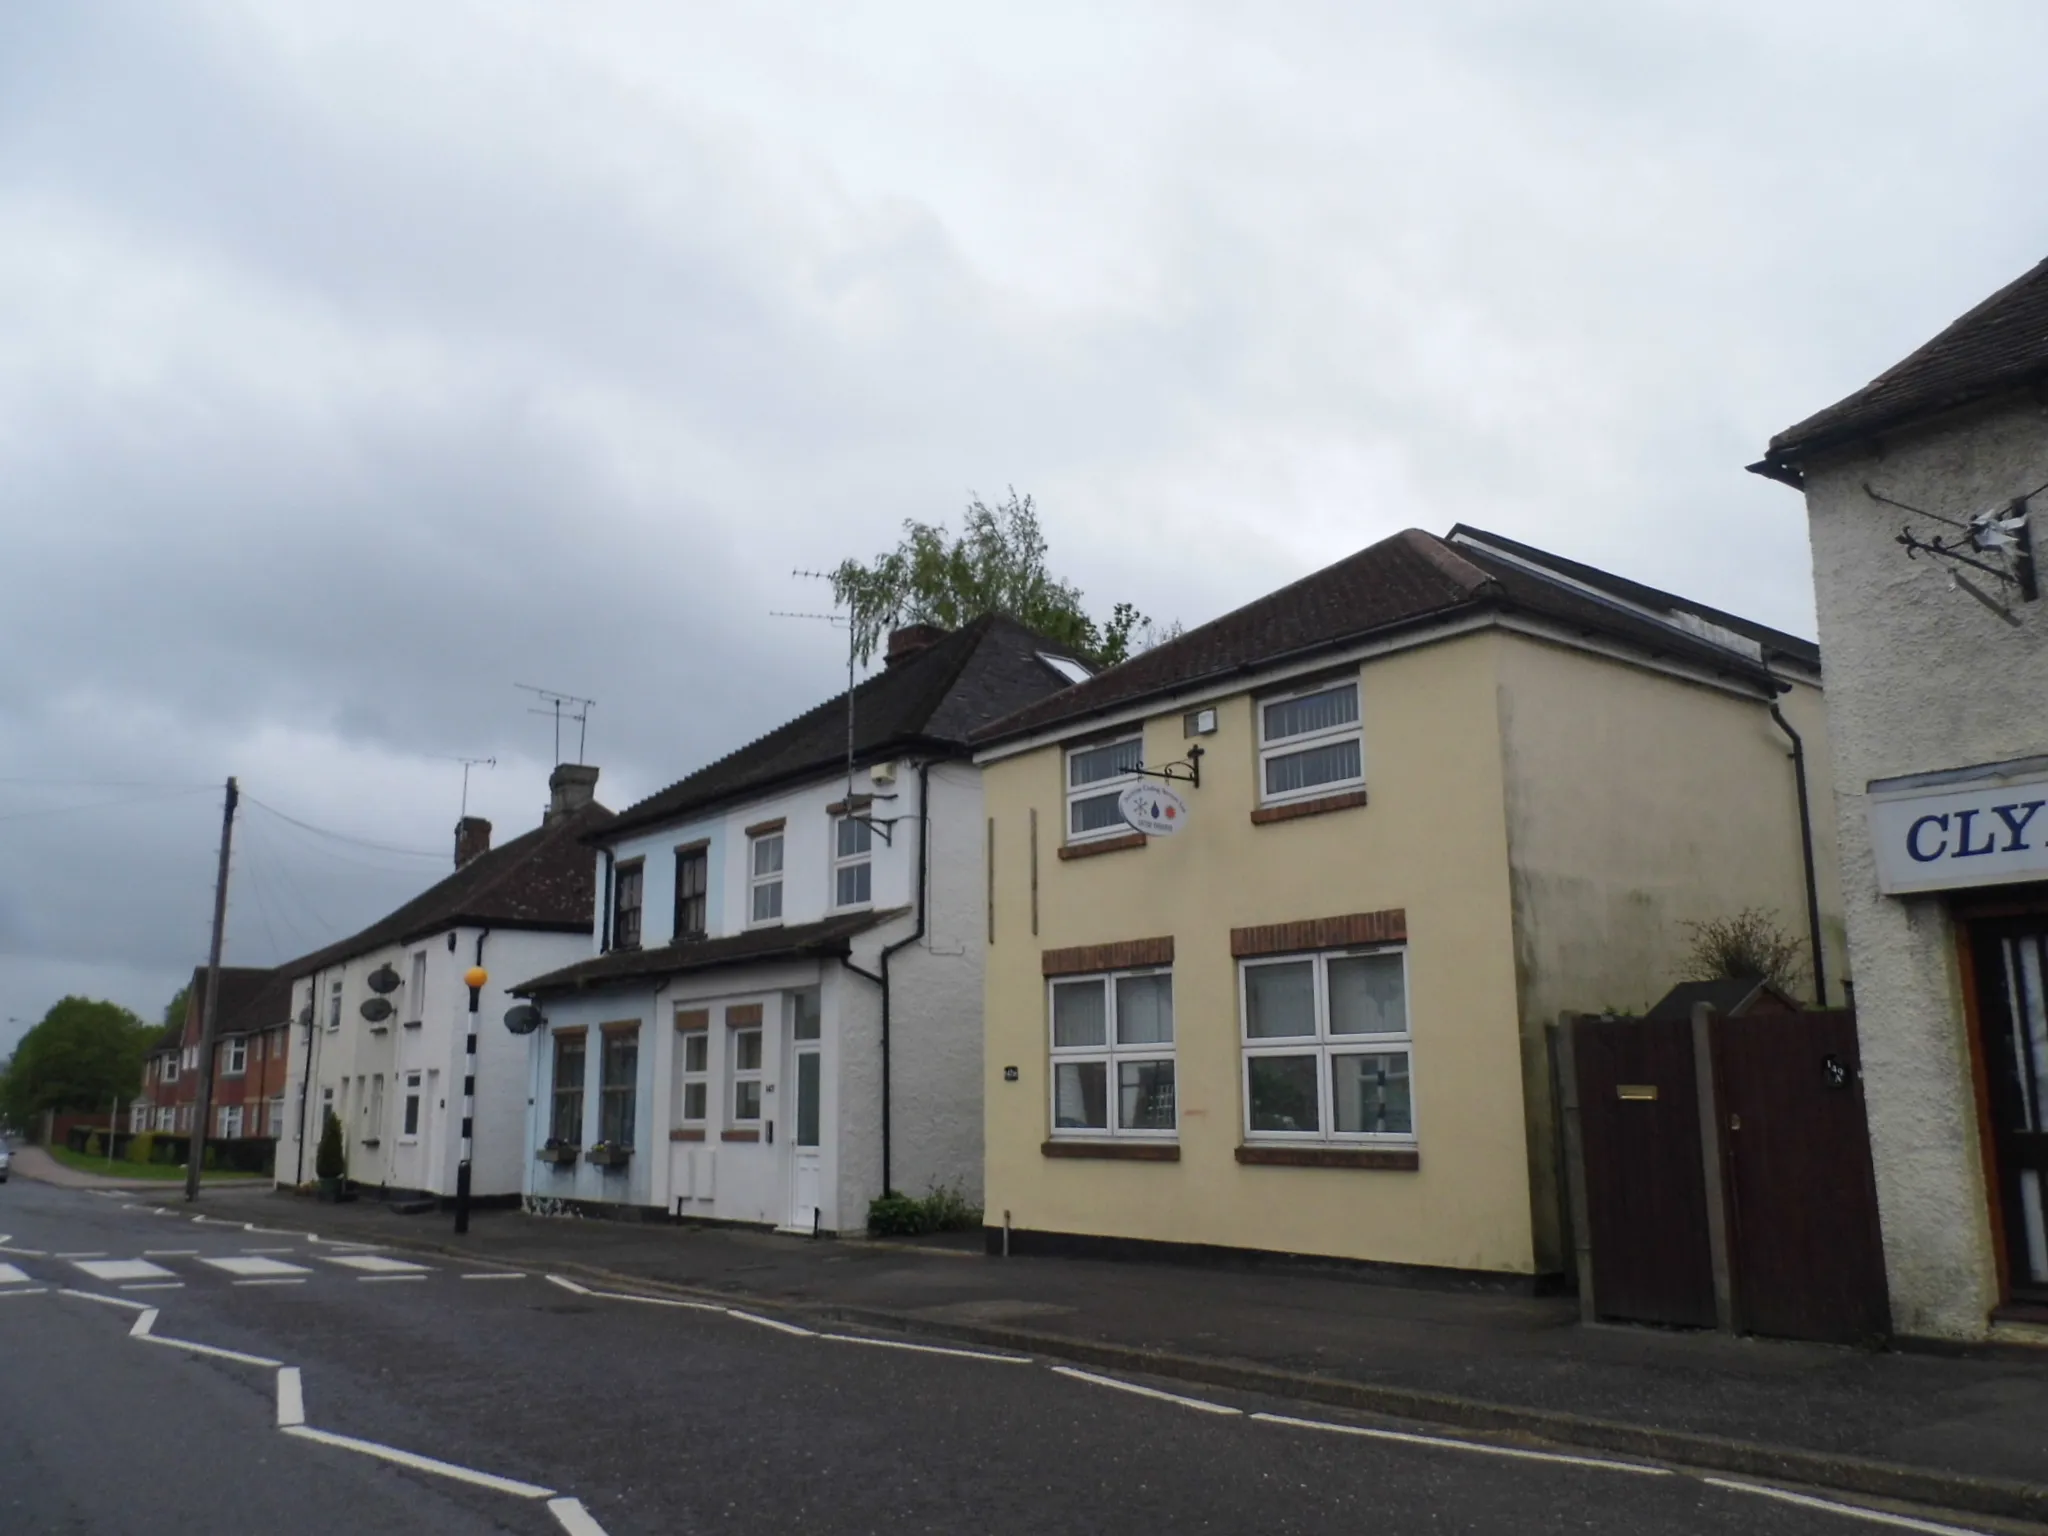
(1642,1091)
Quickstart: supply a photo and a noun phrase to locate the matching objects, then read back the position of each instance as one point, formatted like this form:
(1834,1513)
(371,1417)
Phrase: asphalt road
(620,1416)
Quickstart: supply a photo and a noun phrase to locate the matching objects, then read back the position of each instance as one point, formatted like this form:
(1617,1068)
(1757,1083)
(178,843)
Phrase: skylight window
(1066,666)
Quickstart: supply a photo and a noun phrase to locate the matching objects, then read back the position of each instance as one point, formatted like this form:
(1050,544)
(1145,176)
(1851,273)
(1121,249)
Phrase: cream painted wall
(1638,802)
(1433,841)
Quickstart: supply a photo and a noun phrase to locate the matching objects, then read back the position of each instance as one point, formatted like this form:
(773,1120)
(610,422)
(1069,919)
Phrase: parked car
(6,1161)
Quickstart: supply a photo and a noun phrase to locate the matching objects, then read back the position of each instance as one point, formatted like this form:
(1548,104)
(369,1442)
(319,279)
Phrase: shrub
(896,1215)
(329,1162)
(92,1145)
(948,1210)
(1751,945)
(142,1147)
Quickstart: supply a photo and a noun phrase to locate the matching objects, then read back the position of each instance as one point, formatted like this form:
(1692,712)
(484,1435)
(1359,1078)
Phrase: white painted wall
(1920,678)
(350,1059)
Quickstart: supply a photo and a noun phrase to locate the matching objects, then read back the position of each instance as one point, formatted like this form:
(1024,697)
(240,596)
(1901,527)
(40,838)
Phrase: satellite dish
(306,1017)
(522,1018)
(383,979)
(377,1009)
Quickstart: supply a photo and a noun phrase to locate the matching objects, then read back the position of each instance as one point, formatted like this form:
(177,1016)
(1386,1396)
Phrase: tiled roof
(1998,346)
(935,698)
(544,879)
(833,936)
(1411,579)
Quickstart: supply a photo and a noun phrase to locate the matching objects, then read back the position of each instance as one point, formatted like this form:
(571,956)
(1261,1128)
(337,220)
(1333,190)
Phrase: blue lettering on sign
(2017,825)
(1913,839)
(1963,848)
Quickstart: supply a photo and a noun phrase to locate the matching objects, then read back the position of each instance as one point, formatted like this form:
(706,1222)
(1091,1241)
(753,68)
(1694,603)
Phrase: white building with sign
(1921,493)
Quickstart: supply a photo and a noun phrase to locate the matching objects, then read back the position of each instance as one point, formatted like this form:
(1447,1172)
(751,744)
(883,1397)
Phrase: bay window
(1112,1055)
(1327,1048)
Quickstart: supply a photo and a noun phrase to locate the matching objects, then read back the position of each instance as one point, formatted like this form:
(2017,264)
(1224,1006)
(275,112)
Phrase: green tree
(82,1054)
(995,565)
(174,1010)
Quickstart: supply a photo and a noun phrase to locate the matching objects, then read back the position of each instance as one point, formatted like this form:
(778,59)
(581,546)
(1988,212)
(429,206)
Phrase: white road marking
(12,1275)
(375,1264)
(98,1254)
(488,1480)
(570,1285)
(291,1398)
(170,1253)
(123,1269)
(250,1226)
(251,1267)
(156,1285)
(1131,1386)
(1448,1444)
(572,1517)
(26,1253)
(769,1322)
(1853,1511)
(33,1290)
(143,1324)
(208,1349)
(270,1250)
(300,1281)
(112,1301)
(507,1274)
(355,1247)
(668,1301)
(930,1349)
(385,1279)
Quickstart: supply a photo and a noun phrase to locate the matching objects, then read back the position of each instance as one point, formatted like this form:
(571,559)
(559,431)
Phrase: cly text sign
(1952,838)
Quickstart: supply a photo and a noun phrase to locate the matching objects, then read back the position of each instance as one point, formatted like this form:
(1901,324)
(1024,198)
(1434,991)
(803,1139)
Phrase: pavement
(171,1370)
(1956,1431)
(35,1163)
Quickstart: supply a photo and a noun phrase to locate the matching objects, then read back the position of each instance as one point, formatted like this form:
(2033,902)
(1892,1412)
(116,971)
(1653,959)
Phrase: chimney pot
(571,787)
(910,639)
(472,839)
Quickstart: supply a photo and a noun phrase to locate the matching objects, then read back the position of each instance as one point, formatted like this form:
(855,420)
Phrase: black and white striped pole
(475,979)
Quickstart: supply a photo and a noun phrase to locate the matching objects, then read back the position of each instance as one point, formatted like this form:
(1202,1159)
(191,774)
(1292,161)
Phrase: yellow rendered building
(1448,787)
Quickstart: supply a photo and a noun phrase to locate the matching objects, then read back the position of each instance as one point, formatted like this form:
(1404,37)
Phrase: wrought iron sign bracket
(1188,772)
(1997,543)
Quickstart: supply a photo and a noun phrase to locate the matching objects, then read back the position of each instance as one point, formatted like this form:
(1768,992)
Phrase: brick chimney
(910,639)
(472,839)
(571,787)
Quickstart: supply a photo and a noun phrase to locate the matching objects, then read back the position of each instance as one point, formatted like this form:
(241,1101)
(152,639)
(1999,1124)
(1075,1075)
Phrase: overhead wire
(106,805)
(344,837)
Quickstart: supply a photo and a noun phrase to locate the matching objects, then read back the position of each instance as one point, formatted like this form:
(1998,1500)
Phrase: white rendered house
(781,1017)
(380,1020)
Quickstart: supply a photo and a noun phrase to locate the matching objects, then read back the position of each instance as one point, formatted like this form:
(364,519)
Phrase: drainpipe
(1820,974)
(924,771)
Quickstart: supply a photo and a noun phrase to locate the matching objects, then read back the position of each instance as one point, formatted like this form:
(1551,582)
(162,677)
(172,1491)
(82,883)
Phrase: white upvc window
(416,992)
(334,1004)
(764,879)
(229,1122)
(853,866)
(409,1128)
(1327,1049)
(375,1109)
(167,1118)
(276,1131)
(693,1042)
(1310,743)
(170,1069)
(746,1075)
(1112,1055)
(237,1056)
(192,1058)
(1096,776)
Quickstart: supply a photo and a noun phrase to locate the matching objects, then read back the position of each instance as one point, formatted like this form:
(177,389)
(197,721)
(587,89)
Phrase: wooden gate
(1774,1209)
(1804,1249)
(1645,1190)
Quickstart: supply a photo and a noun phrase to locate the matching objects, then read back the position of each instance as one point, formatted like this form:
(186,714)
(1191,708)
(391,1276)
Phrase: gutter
(1813,938)
(924,840)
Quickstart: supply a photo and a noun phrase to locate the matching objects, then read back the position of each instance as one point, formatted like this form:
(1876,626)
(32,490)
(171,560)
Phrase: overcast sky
(361,360)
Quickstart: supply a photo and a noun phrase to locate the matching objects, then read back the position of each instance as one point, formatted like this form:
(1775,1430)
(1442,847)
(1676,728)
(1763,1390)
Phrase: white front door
(806,1114)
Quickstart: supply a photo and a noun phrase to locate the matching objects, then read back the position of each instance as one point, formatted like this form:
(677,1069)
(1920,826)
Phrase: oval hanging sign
(1153,809)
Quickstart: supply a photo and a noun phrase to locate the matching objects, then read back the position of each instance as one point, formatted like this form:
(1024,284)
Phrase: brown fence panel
(1646,1202)
(1804,1245)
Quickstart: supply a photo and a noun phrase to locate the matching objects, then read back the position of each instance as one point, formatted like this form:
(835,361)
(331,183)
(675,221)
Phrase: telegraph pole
(209,1016)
